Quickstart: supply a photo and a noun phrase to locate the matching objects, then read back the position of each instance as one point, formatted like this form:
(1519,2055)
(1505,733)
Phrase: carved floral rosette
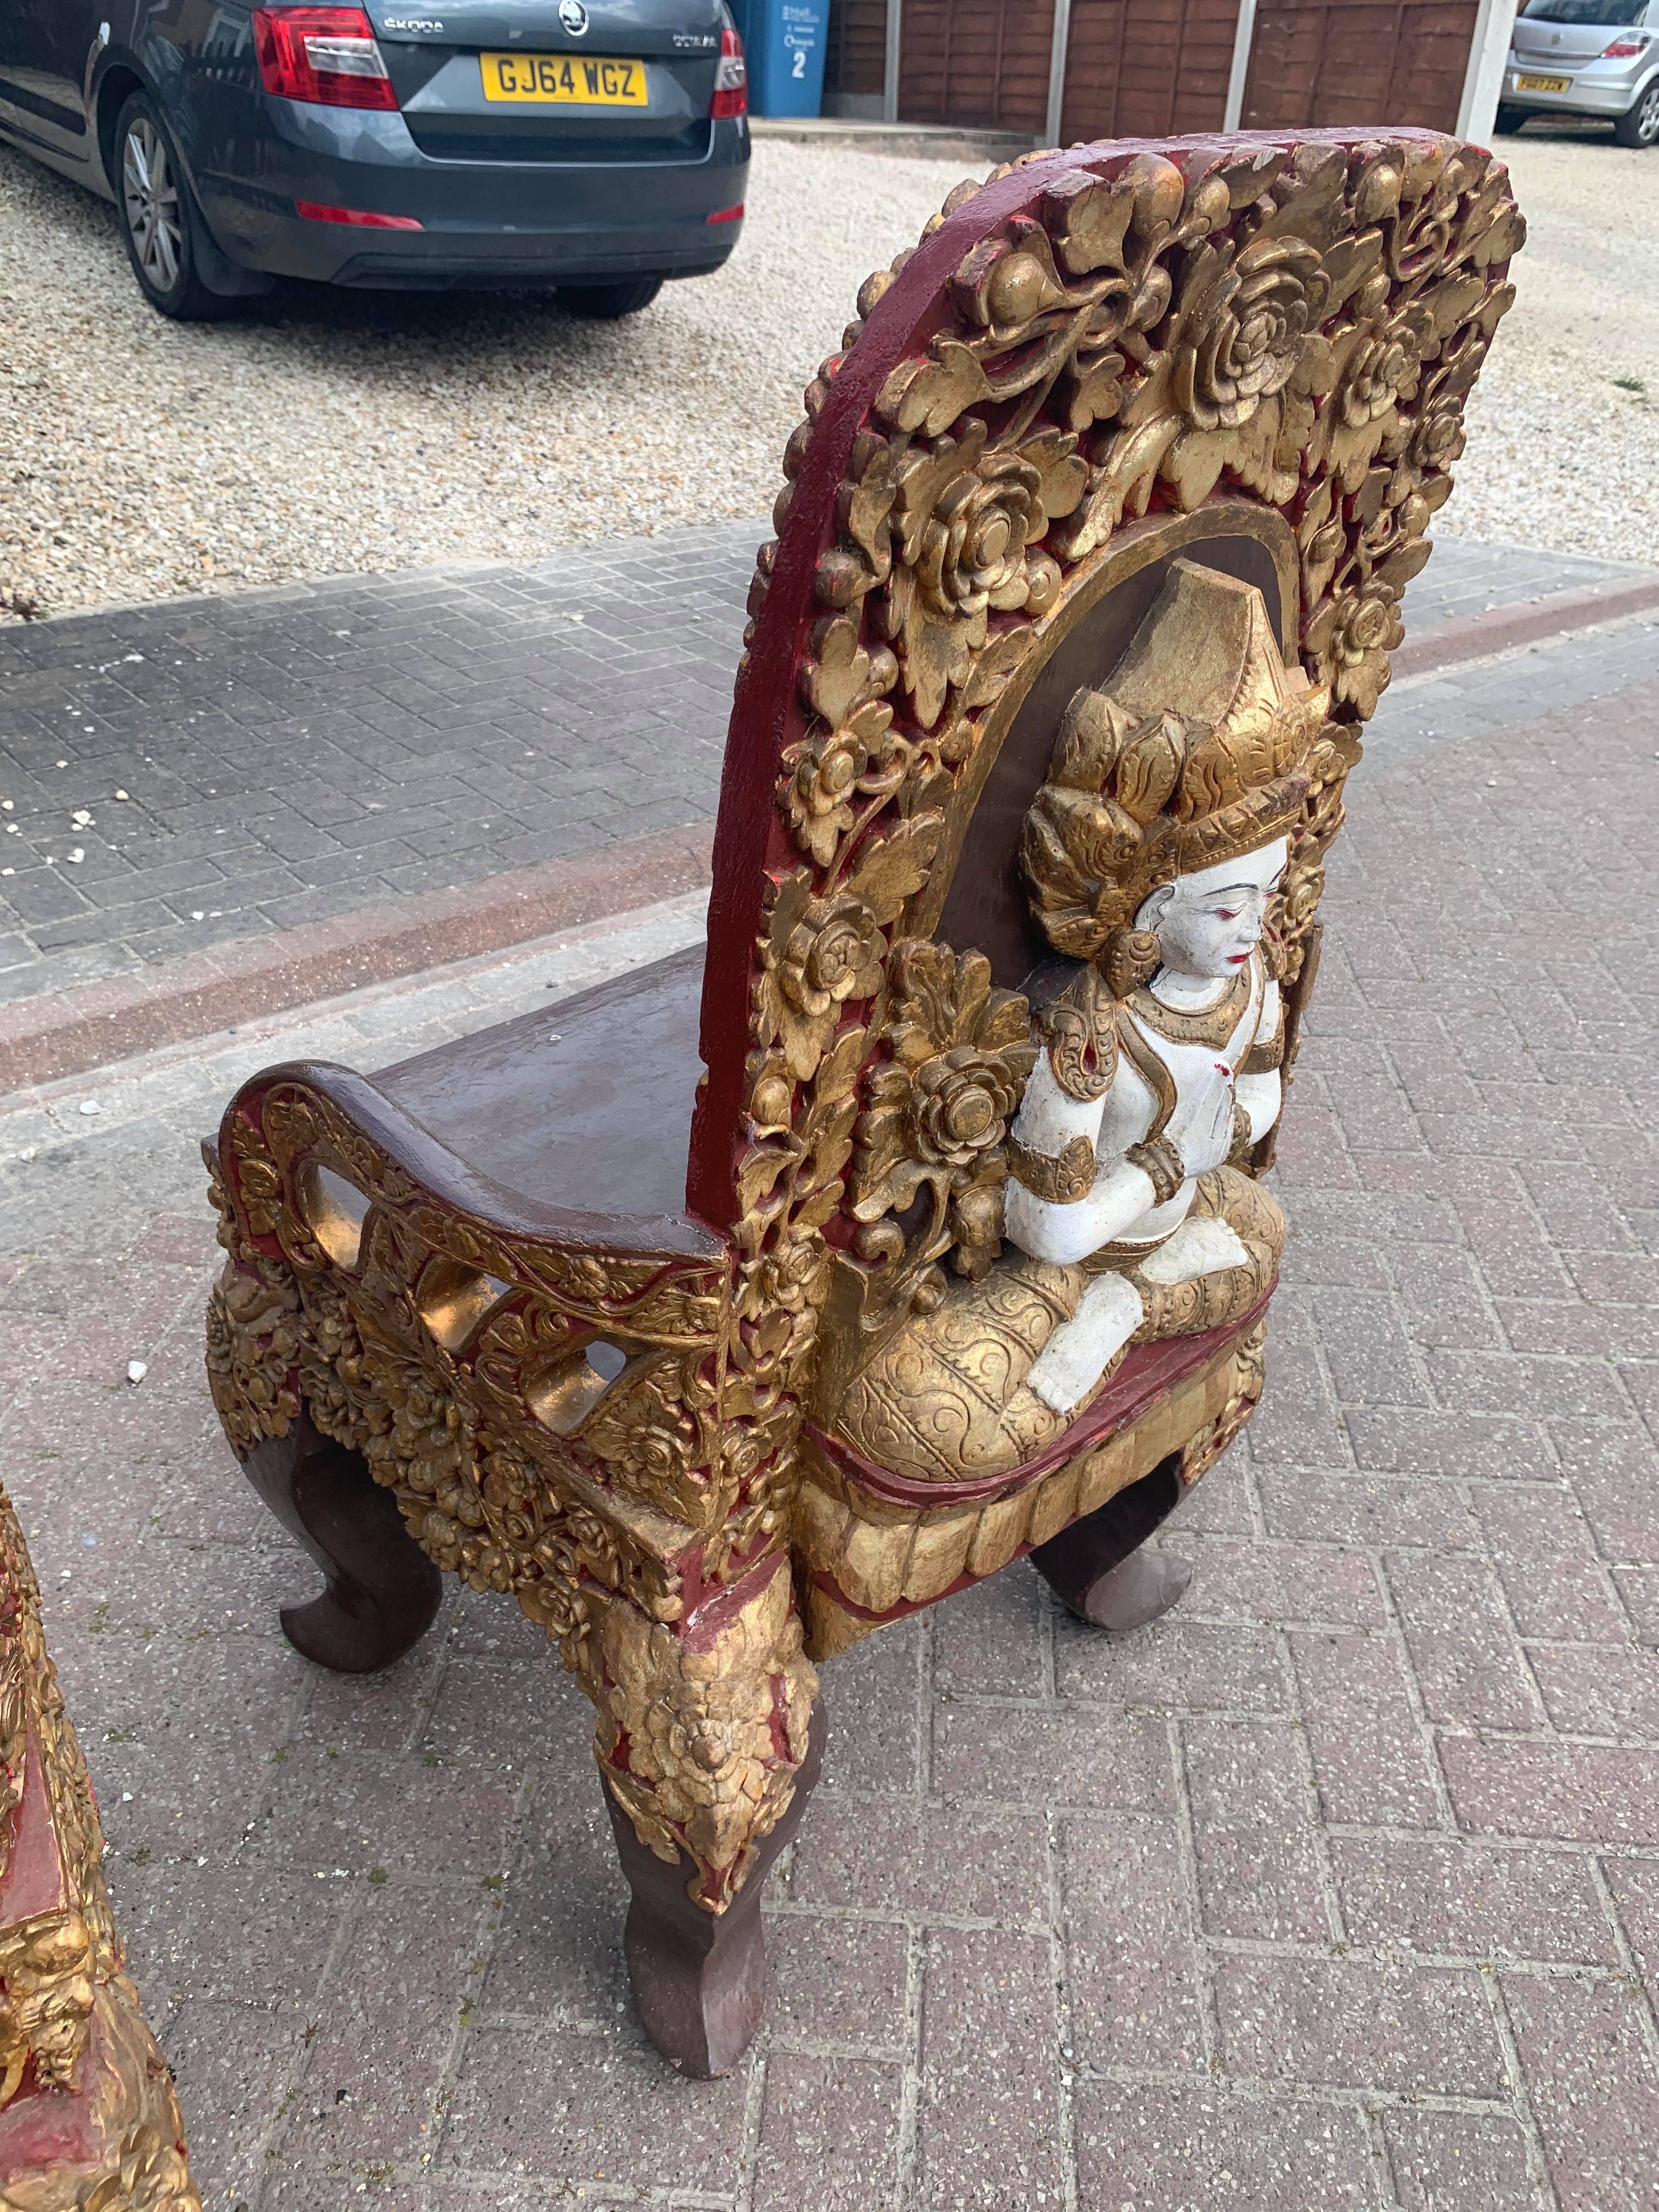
(1091,338)
(89,2121)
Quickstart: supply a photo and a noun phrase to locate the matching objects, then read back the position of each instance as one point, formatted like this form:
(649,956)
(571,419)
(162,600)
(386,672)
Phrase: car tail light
(1627,48)
(315,211)
(325,55)
(726,215)
(731,78)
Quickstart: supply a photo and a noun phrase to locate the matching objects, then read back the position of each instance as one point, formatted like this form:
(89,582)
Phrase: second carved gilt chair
(732,1309)
(88,2119)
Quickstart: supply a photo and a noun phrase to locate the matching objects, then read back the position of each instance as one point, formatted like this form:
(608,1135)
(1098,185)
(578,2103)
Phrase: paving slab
(290,755)
(1341,1887)
(204,772)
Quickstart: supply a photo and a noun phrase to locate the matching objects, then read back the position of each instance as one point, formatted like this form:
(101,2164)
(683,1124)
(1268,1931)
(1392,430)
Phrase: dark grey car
(598,148)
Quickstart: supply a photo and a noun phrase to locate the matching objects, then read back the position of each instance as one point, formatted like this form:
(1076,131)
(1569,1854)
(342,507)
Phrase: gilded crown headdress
(1205,748)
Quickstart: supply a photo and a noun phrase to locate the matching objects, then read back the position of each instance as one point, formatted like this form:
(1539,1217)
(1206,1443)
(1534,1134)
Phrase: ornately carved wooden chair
(89,2122)
(684,1311)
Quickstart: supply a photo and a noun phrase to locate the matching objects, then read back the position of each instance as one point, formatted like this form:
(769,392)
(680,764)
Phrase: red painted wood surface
(41,2129)
(34,1880)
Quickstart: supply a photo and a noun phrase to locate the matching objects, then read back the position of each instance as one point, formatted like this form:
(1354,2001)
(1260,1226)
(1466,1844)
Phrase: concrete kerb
(1508,629)
(930,142)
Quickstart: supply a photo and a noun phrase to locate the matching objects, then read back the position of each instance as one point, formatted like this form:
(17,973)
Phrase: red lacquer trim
(1149,1373)
(41,2129)
(44,2131)
(33,1880)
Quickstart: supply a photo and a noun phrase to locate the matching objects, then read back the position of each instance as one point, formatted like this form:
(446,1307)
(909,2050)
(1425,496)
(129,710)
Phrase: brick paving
(1340,1887)
(298,754)
(295,754)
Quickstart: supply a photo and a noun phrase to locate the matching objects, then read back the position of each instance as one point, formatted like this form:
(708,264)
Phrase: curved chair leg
(1096,1568)
(700,1979)
(382,1590)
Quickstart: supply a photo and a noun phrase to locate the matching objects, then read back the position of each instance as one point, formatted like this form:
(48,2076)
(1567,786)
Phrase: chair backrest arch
(1252,351)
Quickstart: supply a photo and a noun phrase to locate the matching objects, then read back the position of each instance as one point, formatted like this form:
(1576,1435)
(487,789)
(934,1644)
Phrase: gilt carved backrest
(1104,371)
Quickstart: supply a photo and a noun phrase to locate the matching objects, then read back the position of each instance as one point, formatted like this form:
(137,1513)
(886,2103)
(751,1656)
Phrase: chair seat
(583,1106)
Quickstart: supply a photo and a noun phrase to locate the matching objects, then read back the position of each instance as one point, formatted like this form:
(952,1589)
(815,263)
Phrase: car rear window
(1602,12)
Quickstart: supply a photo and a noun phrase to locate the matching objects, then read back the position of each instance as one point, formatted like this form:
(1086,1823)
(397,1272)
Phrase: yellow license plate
(1542,83)
(565,80)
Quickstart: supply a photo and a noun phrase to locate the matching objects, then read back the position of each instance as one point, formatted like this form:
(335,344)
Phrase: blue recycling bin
(783,42)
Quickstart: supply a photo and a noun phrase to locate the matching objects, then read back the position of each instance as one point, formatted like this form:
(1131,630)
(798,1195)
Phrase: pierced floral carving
(1355,633)
(864,759)
(1241,324)
(939,1108)
(967,519)
(251,1346)
(1296,325)
(822,953)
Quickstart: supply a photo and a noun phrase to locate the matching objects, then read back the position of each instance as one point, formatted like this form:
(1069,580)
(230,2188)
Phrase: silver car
(1597,58)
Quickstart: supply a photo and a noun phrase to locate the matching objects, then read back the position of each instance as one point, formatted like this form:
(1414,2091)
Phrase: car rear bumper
(456,258)
(483,223)
(1587,94)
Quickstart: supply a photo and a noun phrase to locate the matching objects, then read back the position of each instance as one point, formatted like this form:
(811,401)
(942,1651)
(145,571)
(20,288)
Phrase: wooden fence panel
(981,64)
(1146,68)
(856,49)
(1431,63)
(1346,62)
(1150,68)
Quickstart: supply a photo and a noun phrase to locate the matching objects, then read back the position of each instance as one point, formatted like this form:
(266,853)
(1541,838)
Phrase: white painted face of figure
(1209,922)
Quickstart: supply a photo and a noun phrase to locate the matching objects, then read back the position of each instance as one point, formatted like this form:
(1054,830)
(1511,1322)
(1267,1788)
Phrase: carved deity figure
(1152,854)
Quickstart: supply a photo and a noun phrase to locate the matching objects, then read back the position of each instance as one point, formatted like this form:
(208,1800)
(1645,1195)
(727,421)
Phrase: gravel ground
(327,434)
(1564,427)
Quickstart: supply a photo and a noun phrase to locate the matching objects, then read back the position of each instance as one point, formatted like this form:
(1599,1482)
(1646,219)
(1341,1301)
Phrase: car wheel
(604,302)
(153,205)
(1641,126)
(1509,120)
